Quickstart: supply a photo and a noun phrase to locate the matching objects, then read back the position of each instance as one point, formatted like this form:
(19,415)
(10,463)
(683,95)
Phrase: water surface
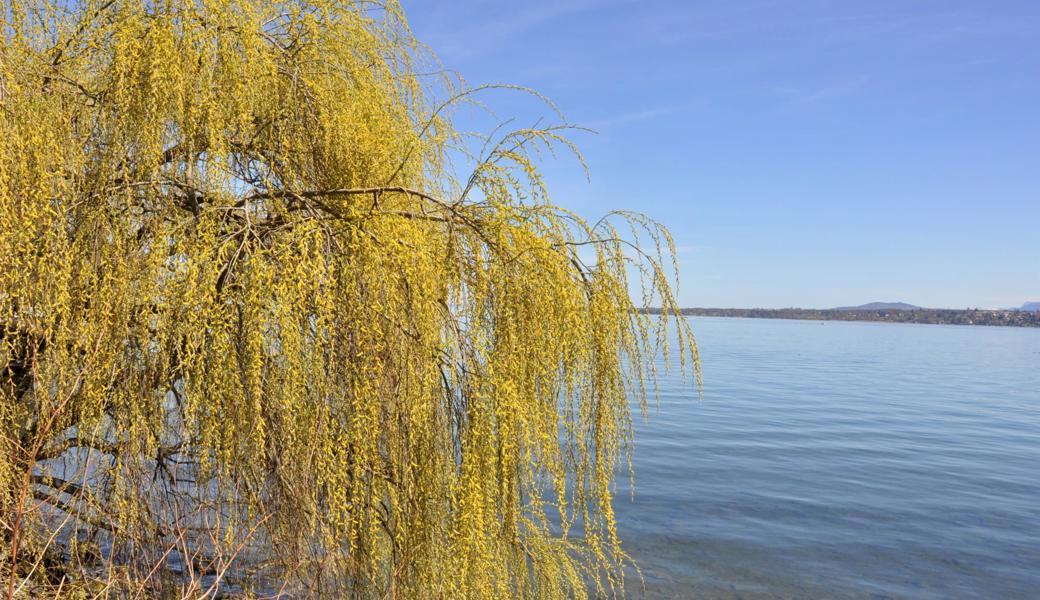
(842,460)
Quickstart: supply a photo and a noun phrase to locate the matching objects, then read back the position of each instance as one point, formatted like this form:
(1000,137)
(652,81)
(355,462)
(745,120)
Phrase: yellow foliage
(256,333)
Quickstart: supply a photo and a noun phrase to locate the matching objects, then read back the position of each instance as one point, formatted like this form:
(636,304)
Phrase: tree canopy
(258,336)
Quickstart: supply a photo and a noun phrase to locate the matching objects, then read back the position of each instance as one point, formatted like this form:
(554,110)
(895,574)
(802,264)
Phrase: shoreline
(923,316)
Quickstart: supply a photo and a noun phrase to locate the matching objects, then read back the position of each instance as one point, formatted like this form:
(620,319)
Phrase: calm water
(843,460)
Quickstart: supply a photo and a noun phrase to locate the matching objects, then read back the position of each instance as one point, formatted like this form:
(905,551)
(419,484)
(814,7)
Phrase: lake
(842,460)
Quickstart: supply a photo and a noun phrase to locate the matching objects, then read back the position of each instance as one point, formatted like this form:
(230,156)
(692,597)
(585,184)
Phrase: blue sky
(810,153)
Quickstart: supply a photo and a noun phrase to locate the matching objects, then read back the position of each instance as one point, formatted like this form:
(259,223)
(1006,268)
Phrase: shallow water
(842,460)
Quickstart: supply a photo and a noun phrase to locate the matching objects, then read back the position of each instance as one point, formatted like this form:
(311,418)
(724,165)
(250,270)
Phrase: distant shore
(1006,318)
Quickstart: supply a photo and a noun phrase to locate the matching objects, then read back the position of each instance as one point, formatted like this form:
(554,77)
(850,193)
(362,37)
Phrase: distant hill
(1031,307)
(883,306)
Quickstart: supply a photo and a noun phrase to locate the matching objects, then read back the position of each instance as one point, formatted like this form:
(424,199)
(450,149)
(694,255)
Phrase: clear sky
(804,153)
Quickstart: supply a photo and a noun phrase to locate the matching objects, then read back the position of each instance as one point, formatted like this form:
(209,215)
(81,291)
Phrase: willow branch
(70,508)
(57,484)
(366,191)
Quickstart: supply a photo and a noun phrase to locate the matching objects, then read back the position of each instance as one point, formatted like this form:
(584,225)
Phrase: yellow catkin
(257,337)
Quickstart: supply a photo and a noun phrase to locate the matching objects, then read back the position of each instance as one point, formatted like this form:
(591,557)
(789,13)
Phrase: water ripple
(842,460)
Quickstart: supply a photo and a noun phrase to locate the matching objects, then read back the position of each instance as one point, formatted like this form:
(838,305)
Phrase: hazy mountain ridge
(881,306)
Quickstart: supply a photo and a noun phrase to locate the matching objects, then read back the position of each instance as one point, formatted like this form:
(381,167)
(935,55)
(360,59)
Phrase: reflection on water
(842,460)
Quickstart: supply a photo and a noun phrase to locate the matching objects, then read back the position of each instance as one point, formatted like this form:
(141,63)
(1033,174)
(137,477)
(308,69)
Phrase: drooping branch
(370,191)
(57,484)
(72,443)
(70,507)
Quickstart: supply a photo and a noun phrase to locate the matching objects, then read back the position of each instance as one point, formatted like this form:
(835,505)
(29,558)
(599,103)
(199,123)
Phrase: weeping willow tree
(259,339)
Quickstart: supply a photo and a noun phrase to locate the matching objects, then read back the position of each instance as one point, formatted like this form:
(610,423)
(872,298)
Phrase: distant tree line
(1007,318)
